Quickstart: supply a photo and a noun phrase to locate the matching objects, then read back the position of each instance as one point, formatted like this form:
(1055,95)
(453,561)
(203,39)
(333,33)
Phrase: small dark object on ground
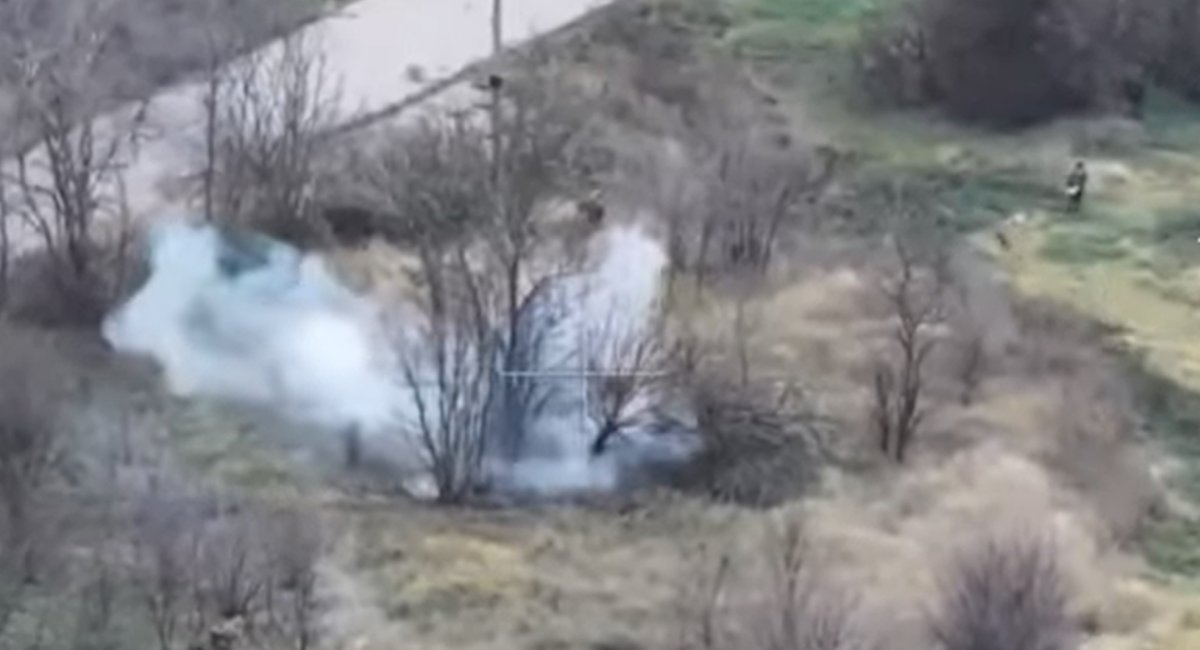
(1002,239)
(592,208)
(350,224)
(491,83)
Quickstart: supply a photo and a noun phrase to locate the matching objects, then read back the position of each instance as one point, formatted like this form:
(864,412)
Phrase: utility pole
(497,26)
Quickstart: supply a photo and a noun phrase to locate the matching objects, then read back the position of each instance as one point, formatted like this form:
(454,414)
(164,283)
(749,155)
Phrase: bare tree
(166,542)
(463,192)
(213,574)
(1005,595)
(798,609)
(265,116)
(914,295)
(733,215)
(68,179)
(448,370)
(626,368)
(295,544)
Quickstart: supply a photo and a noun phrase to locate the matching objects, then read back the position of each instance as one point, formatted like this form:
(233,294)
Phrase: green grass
(787,29)
(812,11)
(1172,122)
(1121,260)
(1170,417)
(1172,546)
(1082,243)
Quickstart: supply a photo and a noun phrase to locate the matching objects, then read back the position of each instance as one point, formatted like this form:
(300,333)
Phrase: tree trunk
(607,431)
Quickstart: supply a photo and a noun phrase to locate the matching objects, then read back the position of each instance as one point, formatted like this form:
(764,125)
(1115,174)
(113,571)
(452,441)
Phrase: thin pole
(497,26)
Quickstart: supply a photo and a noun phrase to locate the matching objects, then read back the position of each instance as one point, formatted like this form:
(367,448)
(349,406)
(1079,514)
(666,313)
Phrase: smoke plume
(242,317)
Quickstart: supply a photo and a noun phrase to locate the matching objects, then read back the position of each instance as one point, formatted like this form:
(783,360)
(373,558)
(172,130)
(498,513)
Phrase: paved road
(370,49)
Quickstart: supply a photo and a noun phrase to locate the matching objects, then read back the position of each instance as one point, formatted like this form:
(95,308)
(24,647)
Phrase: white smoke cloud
(256,321)
(242,317)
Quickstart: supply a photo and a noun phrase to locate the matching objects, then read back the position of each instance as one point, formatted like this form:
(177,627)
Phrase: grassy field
(1130,260)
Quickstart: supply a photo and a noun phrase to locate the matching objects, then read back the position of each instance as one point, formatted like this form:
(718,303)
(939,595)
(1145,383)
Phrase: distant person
(1076,186)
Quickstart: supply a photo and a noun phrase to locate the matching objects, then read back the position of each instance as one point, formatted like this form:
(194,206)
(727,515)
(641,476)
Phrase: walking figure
(1076,186)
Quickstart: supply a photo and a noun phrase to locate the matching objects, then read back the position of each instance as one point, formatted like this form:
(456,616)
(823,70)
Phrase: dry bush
(39,294)
(1056,339)
(727,208)
(155,42)
(213,574)
(779,601)
(266,118)
(31,445)
(1094,443)
(425,185)
(760,445)
(64,190)
(1097,451)
(1005,595)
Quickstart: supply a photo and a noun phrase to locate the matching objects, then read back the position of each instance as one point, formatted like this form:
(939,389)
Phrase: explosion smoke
(242,317)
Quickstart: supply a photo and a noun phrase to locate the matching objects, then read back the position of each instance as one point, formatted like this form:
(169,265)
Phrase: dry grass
(1014,459)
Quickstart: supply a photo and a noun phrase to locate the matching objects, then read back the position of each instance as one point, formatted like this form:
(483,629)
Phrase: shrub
(778,600)
(40,294)
(1003,63)
(1008,595)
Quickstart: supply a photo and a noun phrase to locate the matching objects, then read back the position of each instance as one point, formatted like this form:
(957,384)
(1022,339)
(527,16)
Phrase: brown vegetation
(266,118)
(916,301)
(1005,596)
(779,600)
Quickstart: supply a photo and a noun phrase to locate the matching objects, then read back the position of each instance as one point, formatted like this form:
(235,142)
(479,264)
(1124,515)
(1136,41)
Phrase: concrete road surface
(371,49)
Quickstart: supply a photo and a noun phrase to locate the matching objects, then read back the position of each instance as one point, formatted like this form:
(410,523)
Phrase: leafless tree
(531,134)
(265,116)
(463,192)
(449,370)
(431,179)
(68,179)
(295,544)
(914,295)
(434,180)
(211,572)
(166,543)
(626,368)
(1005,595)
(780,601)
(732,216)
